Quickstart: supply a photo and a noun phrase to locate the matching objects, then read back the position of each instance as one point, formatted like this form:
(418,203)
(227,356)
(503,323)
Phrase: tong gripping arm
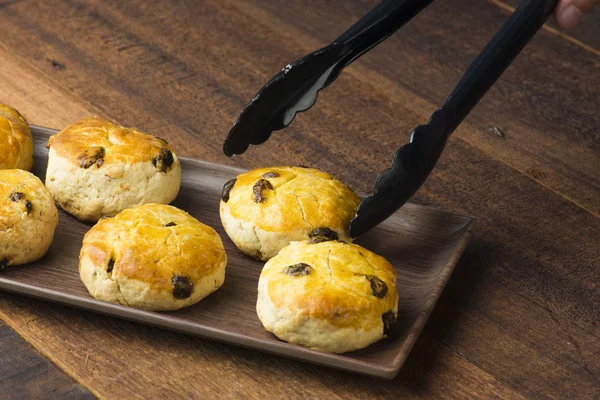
(413,162)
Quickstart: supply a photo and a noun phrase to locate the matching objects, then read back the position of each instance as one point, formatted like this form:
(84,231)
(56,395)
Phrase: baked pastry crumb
(28,218)
(97,169)
(265,209)
(154,257)
(329,295)
(16,143)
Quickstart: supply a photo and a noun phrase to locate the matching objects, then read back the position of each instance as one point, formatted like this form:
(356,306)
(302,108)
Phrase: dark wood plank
(23,87)
(525,299)
(522,306)
(130,360)
(26,374)
(586,32)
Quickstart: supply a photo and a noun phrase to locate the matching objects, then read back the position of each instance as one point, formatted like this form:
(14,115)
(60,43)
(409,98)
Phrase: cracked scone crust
(154,257)
(330,296)
(28,218)
(266,209)
(16,144)
(97,169)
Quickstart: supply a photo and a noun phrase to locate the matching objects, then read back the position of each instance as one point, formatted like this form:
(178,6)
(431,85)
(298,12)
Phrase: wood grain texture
(585,33)
(146,365)
(26,374)
(520,315)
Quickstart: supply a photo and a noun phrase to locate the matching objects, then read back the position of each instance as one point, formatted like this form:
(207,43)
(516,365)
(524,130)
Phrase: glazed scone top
(98,142)
(16,145)
(134,245)
(341,283)
(285,199)
(22,195)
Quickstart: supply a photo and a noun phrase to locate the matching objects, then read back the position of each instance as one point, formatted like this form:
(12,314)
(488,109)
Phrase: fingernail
(570,17)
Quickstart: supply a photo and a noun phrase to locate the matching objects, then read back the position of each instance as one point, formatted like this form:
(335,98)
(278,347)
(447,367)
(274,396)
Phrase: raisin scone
(266,209)
(28,218)
(16,144)
(327,295)
(153,257)
(97,169)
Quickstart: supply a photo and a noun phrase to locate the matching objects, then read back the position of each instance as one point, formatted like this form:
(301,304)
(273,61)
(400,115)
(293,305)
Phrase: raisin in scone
(265,209)
(327,295)
(97,169)
(16,144)
(154,257)
(28,218)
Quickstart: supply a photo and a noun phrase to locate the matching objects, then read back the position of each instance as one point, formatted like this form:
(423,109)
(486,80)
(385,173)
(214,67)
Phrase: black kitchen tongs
(295,88)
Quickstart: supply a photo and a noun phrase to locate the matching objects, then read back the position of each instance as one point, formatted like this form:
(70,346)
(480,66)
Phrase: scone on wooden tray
(97,169)
(327,295)
(265,209)
(154,257)
(16,144)
(28,218)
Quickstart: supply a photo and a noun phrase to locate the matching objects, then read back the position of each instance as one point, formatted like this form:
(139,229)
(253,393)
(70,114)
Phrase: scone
(265,209)
(97,169)
(16,144)
(28,218)
(154,257)
(330,296)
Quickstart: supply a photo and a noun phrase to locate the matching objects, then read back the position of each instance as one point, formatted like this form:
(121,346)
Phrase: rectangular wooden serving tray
(423,244)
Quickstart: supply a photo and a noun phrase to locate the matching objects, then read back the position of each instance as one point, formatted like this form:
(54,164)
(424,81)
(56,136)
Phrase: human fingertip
(569,17)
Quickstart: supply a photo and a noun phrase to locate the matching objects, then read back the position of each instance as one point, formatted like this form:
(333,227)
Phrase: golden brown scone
(154,257)
(97,169)
(265,209)
(330,296)
(28,218)
(16,144)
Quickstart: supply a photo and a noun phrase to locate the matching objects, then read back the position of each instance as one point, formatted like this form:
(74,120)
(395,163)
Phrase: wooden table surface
(520,317)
